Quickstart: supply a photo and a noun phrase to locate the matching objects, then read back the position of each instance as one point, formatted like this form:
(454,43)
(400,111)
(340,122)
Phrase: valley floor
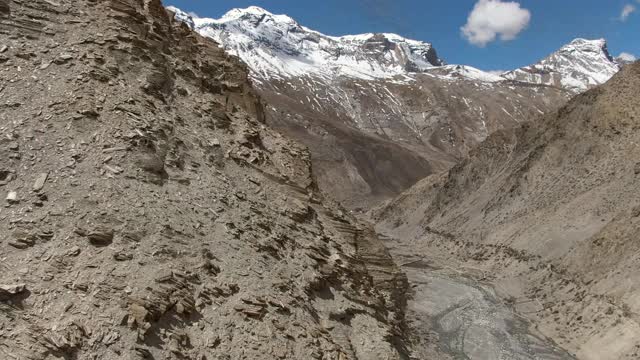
(456,313)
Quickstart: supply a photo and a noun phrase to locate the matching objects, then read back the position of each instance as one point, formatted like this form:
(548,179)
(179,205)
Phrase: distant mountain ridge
(277,46)
(379,111)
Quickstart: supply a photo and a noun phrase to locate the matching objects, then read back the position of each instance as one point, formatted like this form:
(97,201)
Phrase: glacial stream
(457,317)
(471,321)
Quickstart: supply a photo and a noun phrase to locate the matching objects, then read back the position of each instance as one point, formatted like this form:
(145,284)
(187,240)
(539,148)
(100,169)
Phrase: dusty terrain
(150,213)
(549,214)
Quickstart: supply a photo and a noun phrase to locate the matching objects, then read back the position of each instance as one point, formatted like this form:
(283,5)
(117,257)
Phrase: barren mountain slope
(150,212)
(372,139)
(549,214)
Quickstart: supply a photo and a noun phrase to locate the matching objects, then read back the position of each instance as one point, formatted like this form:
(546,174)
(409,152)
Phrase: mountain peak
(584,45)
(253,12)
(588,42)
(276,46)
(625,58)
(577,66)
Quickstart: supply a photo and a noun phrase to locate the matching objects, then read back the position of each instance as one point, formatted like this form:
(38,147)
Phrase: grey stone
(101,236)
(12,197)
(9,291)
(63,59)
(40,181)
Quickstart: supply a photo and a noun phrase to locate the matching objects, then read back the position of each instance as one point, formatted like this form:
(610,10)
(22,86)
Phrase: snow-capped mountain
(278,46)
(379,111)
(625,59)
(577,66)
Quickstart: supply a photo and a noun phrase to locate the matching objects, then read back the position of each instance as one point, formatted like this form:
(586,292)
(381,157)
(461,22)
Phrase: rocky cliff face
(548,213)
(149,211)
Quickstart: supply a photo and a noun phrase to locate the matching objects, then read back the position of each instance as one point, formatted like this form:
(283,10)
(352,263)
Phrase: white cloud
(490,19)
(624,56)
(627,10)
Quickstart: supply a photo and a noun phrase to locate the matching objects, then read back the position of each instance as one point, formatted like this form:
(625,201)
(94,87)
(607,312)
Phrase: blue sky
(534,28)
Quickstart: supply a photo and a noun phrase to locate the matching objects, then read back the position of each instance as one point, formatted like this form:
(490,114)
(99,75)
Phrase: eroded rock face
(155,214)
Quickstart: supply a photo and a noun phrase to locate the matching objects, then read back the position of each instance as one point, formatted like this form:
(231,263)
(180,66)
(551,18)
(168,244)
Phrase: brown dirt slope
(370,140)
(149,213)
(551,215)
